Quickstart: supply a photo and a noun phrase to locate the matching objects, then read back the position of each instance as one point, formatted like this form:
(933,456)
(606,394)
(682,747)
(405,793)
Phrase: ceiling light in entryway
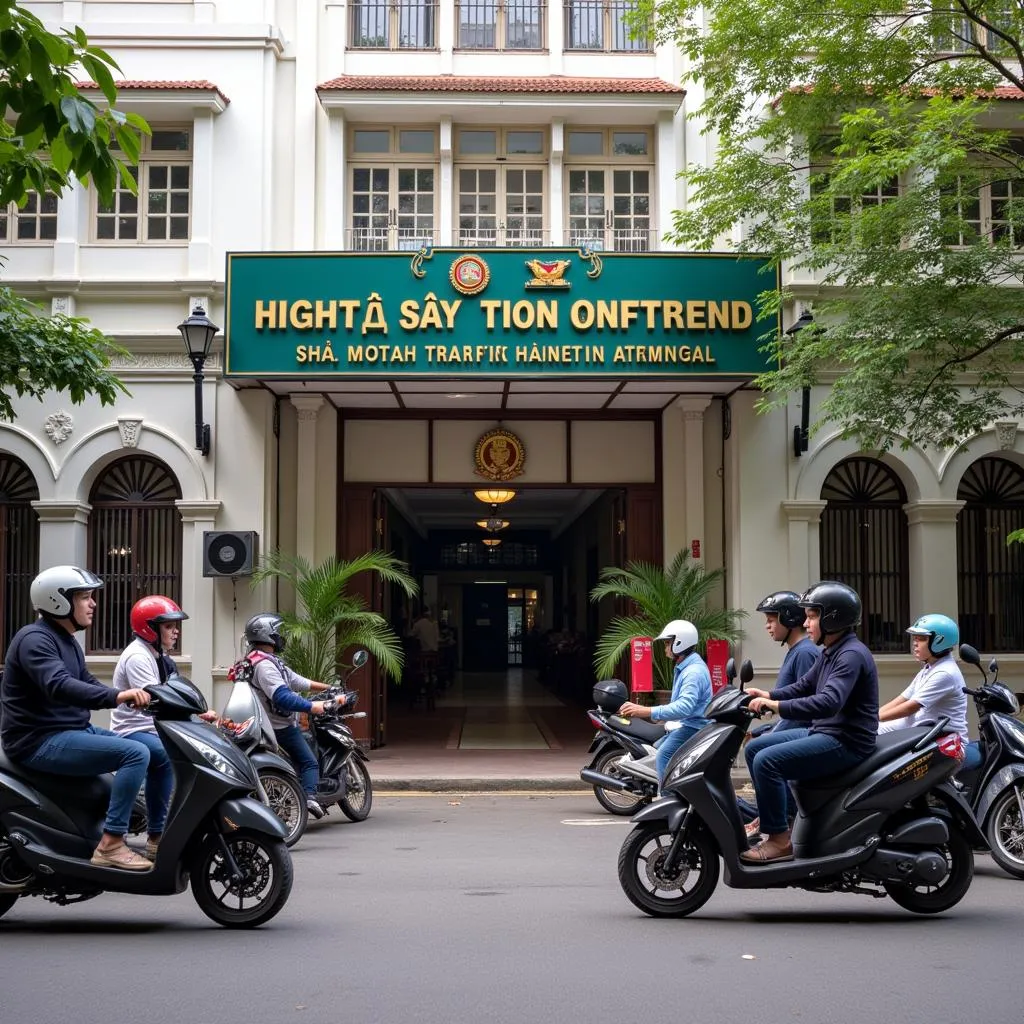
(494,496)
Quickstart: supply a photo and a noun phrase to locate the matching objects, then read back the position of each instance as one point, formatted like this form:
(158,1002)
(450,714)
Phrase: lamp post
(197,332)
(801,437)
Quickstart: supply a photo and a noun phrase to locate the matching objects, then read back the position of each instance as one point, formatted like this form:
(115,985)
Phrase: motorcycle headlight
(216,760)
(689,755)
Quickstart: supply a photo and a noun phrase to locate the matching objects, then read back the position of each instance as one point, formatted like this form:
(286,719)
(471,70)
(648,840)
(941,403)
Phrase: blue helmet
(941,630)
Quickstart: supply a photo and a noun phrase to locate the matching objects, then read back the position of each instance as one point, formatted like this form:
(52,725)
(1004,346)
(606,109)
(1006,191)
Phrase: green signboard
(491,312)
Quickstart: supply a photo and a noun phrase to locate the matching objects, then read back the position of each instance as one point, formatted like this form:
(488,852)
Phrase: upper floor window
(36,221)
(393,24)
(983,207)
(603,25)
(161,210)
(956,34)
(501,24)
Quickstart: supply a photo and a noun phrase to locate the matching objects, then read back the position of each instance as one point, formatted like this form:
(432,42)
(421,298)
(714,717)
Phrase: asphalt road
(506,908)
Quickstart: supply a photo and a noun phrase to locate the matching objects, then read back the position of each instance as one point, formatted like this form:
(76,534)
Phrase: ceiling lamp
(494,496)
(492,525)
(491,542)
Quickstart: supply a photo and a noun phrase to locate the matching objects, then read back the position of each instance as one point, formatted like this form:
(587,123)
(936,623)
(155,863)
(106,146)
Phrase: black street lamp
(801,434)
(197,332)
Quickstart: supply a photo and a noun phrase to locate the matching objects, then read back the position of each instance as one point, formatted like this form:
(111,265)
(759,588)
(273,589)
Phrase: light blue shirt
(691,694)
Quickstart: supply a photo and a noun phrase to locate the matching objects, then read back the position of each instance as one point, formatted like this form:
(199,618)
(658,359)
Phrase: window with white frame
(983,208)
(609,176)
(993,29)
(604,25)
(161,211)
(499,183)
(393,25)
(393,187)
(36,221)
(500,24)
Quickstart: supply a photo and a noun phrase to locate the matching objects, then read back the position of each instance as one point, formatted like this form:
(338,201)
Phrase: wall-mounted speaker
(229,552)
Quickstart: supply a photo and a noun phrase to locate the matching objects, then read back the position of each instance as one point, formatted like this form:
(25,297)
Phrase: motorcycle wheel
(1004,830)
(934,899)
(358,798)
(614,802)
(266,866)
(642,880)
(288,801)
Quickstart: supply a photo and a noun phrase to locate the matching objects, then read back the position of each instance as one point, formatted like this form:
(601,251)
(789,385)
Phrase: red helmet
(150,612)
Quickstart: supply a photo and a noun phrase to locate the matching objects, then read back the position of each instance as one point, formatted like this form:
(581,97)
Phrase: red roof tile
(197,85)
(468,83)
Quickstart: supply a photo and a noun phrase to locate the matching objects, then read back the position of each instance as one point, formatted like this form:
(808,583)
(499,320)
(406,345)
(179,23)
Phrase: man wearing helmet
(691,693)
(837,699)
(280,689)
(47,694)
(938,689)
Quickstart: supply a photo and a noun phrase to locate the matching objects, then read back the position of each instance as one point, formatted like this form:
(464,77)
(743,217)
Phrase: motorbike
(995,789)
(344,777)
(622,749)
(893,825)
(220,840)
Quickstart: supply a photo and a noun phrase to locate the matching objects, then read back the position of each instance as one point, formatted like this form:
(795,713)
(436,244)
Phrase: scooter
(995,790)
(227,844)
(893,825)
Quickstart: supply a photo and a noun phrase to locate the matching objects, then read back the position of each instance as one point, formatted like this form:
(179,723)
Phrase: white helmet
(683,635)
(53,588)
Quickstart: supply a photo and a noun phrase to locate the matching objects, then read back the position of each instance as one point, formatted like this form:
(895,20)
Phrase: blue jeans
(791,756)
(669,744)
(93,751)
(294,744)
(972,758)
(784,730)
(159,781)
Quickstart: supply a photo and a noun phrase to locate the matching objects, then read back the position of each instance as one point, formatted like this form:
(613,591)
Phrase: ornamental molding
(1006,434)
(307,406)
(160,361)
(129,427)
(933,511)
(59,426)
(804,511)
(59,511)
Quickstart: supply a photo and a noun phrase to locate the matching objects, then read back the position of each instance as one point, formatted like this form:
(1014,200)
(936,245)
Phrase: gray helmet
(265,628)
(51,591)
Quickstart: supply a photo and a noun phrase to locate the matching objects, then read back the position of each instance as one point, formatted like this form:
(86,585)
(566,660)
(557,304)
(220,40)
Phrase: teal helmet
(942,632)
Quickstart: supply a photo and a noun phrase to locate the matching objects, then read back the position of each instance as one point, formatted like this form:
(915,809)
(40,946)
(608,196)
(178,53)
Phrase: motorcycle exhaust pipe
(605,781)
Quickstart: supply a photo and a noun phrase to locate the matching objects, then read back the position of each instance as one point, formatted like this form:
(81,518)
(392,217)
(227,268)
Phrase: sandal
(768,853)
(120,857)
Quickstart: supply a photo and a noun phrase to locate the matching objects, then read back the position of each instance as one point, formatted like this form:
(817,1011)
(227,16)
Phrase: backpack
(243,671)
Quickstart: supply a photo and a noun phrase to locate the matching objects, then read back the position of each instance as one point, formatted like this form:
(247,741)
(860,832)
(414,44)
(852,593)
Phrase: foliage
(817,112)
(55,134)
(329,620)
(657,596)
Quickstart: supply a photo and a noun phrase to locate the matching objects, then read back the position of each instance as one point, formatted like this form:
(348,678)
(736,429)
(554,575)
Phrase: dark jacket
(46,688)
(837,696)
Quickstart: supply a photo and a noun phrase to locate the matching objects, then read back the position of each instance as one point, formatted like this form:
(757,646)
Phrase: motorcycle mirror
(360,658)
(993,667)
(970,655)
(746,671)
(730,669)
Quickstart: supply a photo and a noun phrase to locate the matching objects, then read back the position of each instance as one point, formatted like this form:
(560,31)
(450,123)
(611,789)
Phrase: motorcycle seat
(85,792)
(639,728)
(888,746)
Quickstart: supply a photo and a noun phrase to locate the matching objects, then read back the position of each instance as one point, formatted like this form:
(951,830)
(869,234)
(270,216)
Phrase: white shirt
(939,689)
(426,632)
(137,667)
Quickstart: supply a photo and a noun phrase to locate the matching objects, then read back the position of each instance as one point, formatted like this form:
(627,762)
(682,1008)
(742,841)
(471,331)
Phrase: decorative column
(556,225)
(200,245)
(308,408)
(446,208)
(197,592)
(932,556)
(693,409)
(804,519)
(63,536)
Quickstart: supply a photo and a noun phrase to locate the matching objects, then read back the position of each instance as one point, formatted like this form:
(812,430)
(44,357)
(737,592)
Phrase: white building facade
(301,126)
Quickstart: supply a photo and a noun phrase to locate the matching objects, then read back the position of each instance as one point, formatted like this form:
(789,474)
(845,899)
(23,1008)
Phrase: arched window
(134,543)
(990,575)
(19,546)
(864,544)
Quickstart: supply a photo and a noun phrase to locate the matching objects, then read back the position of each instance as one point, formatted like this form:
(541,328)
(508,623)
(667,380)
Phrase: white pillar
(332,233)
(693,462)
(197,592)
(69,225)
(804,519)
(446,208)
(200,246)
(932,557)
(556,37)
(667,179)
(556,186)
(63,536)
(308,408)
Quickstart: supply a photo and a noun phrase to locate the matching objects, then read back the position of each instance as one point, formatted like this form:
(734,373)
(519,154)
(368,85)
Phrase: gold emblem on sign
(499,455)
(469,275)
(548,273)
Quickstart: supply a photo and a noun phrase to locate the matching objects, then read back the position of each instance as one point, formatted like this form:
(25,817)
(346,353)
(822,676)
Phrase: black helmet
(265,628)
(837,604)
(785,604)
(610,695)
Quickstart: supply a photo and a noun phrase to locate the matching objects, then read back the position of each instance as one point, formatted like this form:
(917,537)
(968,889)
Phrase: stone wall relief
(58,426)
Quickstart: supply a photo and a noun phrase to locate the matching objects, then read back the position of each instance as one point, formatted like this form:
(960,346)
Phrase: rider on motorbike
(838,698)
(47,694)
(691,692)
(280,689)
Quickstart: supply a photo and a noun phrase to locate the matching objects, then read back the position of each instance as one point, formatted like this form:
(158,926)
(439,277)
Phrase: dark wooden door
(485,627)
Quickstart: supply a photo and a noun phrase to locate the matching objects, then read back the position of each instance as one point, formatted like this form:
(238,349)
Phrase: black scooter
(230,845)
(995,790)
(893,825)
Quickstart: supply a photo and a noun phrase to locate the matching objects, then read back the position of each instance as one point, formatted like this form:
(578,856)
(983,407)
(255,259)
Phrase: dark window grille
(473,554)
(990,575)
(864,544)
(134,544)
(19,546)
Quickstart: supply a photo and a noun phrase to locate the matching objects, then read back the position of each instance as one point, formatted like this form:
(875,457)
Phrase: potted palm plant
(655,596)
(328,620)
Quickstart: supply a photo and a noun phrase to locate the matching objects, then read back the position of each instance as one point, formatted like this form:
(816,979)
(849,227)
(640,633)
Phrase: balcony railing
(500,24)
(616,240)
(511,238)
(402,240)
(603,25)
(393,24)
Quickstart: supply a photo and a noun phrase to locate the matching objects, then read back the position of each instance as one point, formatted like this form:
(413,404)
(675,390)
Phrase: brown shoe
(152,845)
(773,850)
(120,857)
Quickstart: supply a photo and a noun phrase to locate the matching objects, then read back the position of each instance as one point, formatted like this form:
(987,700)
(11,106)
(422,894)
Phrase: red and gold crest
(469,275)
(499,455)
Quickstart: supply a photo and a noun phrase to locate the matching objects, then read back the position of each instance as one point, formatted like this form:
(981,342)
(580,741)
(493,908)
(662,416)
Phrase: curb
(560,783)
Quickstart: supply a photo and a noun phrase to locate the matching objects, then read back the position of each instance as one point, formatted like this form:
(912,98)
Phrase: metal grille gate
(19,546)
